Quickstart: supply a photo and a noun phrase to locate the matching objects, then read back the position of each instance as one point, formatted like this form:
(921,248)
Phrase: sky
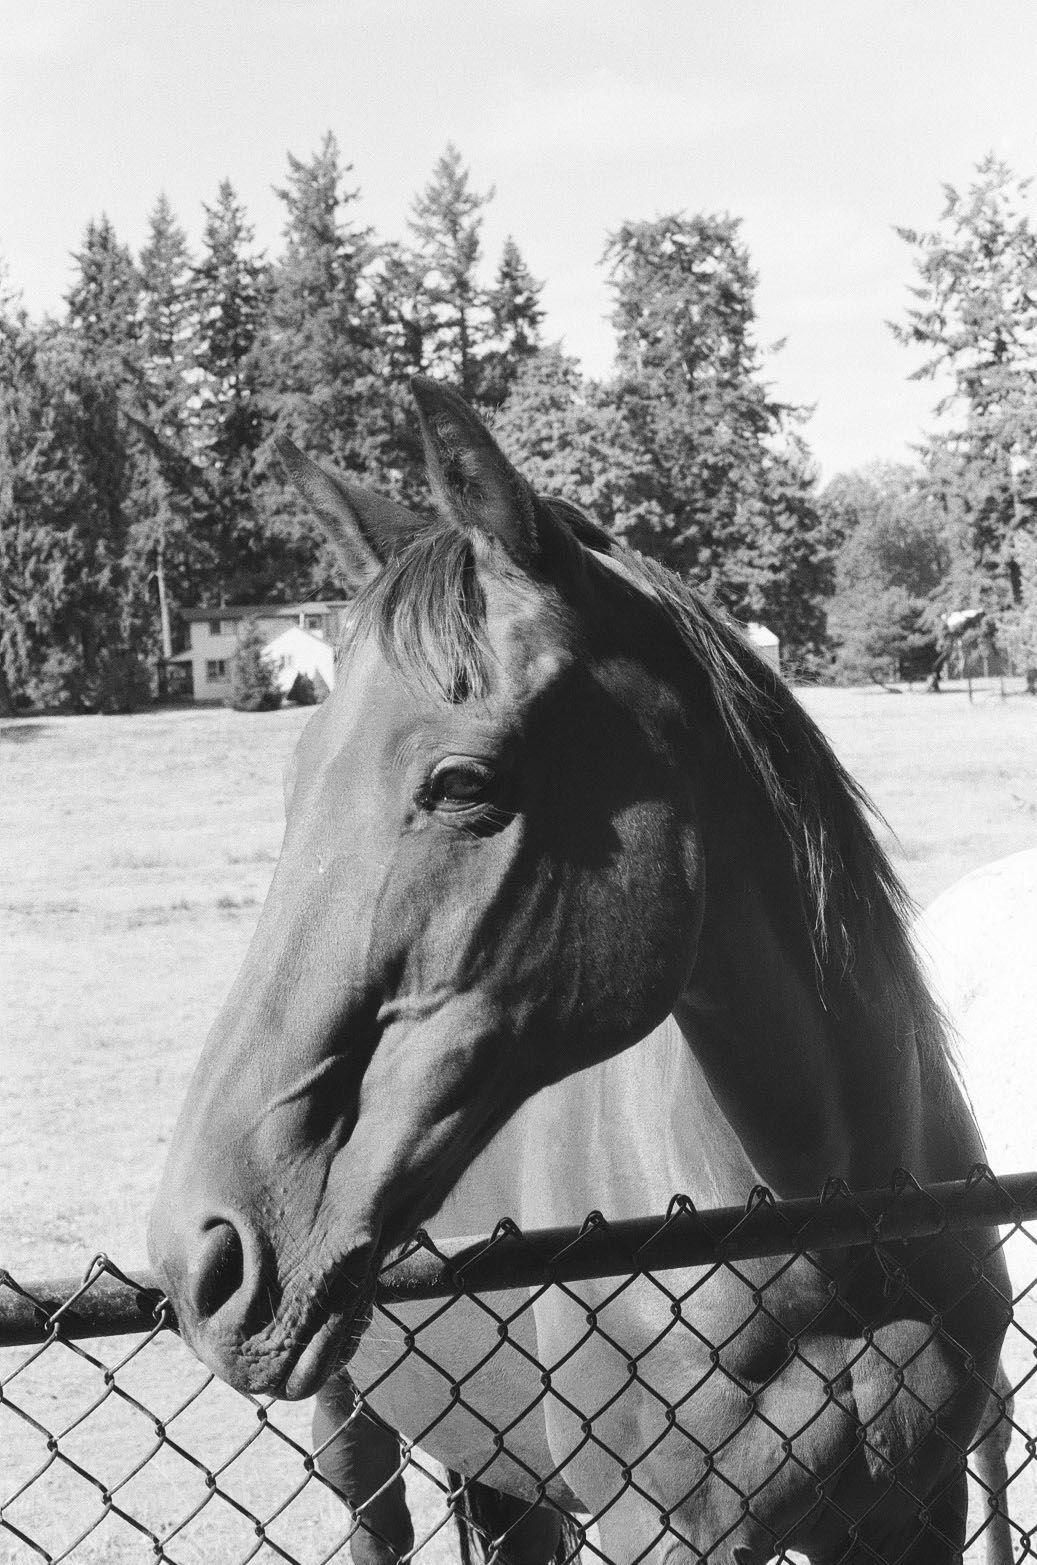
(821,124)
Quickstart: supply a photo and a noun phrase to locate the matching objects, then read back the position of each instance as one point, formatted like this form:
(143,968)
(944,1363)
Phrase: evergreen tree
(104,300)
(568,437)
(515,321)
(63,517)
(229,301)
(316,361)
(167,476)
(393,456)
(446,219)
(731,487)
(976,318)
(254,688)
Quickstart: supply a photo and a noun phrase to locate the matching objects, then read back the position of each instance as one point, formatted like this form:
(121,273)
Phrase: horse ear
(471,479)
(364,529)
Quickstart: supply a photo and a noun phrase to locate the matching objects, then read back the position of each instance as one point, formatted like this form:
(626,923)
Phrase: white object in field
(296,651)
(979,940)
(764,642)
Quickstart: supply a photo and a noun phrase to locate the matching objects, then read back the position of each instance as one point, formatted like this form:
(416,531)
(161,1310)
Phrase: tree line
(137,471)
(138,476)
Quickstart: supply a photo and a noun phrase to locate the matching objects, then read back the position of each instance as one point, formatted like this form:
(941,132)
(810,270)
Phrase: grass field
(136,853)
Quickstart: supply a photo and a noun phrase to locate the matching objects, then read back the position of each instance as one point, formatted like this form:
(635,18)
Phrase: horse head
(491,877)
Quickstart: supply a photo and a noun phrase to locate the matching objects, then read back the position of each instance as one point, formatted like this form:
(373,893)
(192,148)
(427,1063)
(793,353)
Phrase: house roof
(292,635)
(265,610)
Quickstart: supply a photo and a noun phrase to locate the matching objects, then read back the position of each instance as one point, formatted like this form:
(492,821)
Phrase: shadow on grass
(22,730)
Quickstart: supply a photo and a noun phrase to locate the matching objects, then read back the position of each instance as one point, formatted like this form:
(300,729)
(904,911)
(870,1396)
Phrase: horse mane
(428,612)
(851,897)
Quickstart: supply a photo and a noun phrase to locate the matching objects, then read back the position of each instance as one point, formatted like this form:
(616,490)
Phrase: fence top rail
(108,1302)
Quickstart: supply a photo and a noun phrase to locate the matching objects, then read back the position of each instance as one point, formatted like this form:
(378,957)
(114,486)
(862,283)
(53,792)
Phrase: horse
(577,908)
(977,943)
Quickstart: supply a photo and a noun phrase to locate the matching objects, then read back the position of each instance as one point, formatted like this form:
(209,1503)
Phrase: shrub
(56,682)
(253,688)
(122,682)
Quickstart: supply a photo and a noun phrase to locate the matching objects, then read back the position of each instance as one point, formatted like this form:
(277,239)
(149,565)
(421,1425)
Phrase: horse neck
(821,1068)
(620,1137)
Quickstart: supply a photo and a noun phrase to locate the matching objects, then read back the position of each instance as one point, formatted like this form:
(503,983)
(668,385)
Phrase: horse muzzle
(260,1335)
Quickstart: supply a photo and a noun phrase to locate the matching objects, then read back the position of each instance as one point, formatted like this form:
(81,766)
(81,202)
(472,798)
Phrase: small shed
(765,643)
(296,651)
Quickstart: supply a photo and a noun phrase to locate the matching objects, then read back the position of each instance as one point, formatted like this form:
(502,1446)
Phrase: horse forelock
(427,610)
(427,607)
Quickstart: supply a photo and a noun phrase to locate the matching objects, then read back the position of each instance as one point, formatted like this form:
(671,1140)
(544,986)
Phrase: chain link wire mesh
(116,1444)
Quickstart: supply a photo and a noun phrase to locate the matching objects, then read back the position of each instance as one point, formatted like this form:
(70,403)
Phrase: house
(300,638)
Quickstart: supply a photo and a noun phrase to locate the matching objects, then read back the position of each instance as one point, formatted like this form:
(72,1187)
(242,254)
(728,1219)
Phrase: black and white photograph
(518,782)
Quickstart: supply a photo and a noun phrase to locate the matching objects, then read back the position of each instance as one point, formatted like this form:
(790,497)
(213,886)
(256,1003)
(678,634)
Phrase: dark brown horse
(577,909)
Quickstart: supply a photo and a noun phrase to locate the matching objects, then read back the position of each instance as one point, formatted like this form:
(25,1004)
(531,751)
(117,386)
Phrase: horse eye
(456,782)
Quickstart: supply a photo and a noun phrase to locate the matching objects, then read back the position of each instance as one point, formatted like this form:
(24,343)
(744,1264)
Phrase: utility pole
(165,630)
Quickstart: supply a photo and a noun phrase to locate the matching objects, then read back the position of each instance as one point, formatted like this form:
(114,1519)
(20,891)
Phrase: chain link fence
(116,1445)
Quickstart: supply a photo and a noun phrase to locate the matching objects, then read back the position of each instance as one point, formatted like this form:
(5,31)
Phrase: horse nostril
(219,1272)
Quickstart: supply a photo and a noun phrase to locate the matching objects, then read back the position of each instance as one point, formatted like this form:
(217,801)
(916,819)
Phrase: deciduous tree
(976,319)
(891,564)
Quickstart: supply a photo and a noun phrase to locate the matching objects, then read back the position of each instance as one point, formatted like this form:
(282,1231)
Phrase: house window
(315,622)
(215,670)
(215,627)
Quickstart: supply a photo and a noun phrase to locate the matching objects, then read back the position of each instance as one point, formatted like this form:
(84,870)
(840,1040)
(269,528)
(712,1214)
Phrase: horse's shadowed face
(490,878)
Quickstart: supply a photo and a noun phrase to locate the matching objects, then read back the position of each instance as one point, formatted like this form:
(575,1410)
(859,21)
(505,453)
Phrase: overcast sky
(821,123)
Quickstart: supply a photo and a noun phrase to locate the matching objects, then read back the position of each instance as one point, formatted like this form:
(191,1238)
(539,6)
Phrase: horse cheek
(642,926)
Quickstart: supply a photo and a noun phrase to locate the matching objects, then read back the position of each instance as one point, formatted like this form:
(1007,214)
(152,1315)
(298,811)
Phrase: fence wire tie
(591,1223)
(983,1174)
(504,1229)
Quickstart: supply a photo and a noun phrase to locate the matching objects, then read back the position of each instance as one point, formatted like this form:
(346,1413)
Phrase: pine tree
(229,299)
(445,220)
(515,321)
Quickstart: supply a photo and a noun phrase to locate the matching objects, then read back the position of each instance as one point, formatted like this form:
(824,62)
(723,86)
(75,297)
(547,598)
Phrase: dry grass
(136,853)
